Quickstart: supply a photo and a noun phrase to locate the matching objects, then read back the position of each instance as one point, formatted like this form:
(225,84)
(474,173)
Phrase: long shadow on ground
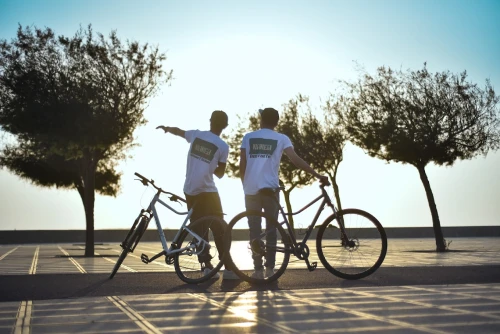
(57,286)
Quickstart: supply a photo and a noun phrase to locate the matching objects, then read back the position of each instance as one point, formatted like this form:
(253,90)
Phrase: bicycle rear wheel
(194,264)
(129,243)
(361,254)
(262,259)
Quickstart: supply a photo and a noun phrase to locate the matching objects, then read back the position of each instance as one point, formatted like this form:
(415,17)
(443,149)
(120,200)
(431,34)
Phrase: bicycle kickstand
(311,265)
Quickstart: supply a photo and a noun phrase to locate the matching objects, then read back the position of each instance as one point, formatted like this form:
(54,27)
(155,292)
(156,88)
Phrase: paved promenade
(52,288)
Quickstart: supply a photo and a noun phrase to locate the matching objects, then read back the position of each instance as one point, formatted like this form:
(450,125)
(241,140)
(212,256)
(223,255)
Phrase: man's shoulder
(251,133)
(223,144)
(213,138)
(269,134)
(261,133)
(205,135)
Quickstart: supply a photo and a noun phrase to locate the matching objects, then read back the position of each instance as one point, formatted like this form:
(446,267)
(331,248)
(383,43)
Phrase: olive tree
(417,118)
(72,105)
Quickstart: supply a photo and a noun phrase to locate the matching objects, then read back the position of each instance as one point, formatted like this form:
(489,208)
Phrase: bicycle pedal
(312,266)
(145,258)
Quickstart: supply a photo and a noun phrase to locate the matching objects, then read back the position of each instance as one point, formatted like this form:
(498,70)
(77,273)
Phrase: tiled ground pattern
(402,309)
(399,309)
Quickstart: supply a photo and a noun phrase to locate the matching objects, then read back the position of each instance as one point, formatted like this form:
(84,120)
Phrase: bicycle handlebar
(144,180)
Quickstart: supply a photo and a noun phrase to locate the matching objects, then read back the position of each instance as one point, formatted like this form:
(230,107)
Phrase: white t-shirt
(206,151)
(263,149)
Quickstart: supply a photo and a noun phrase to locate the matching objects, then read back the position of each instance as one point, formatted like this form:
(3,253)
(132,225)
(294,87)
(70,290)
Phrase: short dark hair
(270,116)
(219,119)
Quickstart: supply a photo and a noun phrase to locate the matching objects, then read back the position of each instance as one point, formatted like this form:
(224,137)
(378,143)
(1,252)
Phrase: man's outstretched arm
(300,163)
(173,130)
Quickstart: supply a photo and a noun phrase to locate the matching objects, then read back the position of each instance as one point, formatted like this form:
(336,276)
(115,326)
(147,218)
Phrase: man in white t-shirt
(260,158)
(207,157)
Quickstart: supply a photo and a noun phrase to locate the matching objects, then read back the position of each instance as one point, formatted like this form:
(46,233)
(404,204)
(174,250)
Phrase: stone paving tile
(8,316)
(17,260)
(99,327)
(53,260)
(408,311)
(467,328)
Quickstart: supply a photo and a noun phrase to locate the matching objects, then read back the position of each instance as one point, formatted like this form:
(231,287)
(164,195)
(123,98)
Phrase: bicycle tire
(187,265)
(127,245)
(365,250)
(242,261)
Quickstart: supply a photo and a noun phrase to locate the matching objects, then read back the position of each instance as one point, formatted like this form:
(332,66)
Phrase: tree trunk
(89,215)
(336,190)
(88,171)
(438,233)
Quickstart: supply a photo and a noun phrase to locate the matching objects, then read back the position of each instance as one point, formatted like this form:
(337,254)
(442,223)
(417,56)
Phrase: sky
(239,56)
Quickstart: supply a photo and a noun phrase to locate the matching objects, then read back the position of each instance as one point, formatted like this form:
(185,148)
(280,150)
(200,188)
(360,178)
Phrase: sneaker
(258,274)
(207,271)
(228,274)
(269,272)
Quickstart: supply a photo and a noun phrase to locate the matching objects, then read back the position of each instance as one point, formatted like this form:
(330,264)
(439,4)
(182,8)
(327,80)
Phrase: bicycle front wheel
(197,262)
(360,252)
(129,243)
(260,256)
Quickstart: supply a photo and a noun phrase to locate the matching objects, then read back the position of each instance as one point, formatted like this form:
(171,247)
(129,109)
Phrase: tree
(416,117)
(320,144)
(72,105)
(325,142)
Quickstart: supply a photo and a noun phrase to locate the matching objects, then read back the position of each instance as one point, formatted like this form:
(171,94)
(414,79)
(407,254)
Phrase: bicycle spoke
(361,254)
(200,262)
(265,257)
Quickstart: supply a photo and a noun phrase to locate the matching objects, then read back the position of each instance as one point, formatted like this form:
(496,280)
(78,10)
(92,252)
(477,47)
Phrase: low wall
(105,236)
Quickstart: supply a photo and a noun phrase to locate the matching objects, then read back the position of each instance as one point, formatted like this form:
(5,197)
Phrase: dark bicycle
(350,243)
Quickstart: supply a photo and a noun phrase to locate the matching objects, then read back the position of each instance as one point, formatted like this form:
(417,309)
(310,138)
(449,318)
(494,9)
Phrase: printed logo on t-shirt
(203,150)
(262,148)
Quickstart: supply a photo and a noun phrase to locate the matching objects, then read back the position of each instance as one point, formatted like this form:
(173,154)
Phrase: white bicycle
(190,251)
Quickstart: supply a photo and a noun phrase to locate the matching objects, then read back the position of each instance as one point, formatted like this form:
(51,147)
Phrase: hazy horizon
(241,56)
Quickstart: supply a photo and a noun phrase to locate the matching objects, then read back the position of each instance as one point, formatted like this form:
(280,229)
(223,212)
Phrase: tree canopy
(417,117)
(72,105)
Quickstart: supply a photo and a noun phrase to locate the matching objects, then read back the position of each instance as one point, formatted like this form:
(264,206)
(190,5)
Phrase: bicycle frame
(152,213)
(326,202)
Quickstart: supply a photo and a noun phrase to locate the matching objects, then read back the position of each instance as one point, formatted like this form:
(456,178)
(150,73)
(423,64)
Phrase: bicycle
(186,243)
(350,243)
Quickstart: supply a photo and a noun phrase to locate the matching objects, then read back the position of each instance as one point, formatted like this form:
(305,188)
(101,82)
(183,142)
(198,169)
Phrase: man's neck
(215,132)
